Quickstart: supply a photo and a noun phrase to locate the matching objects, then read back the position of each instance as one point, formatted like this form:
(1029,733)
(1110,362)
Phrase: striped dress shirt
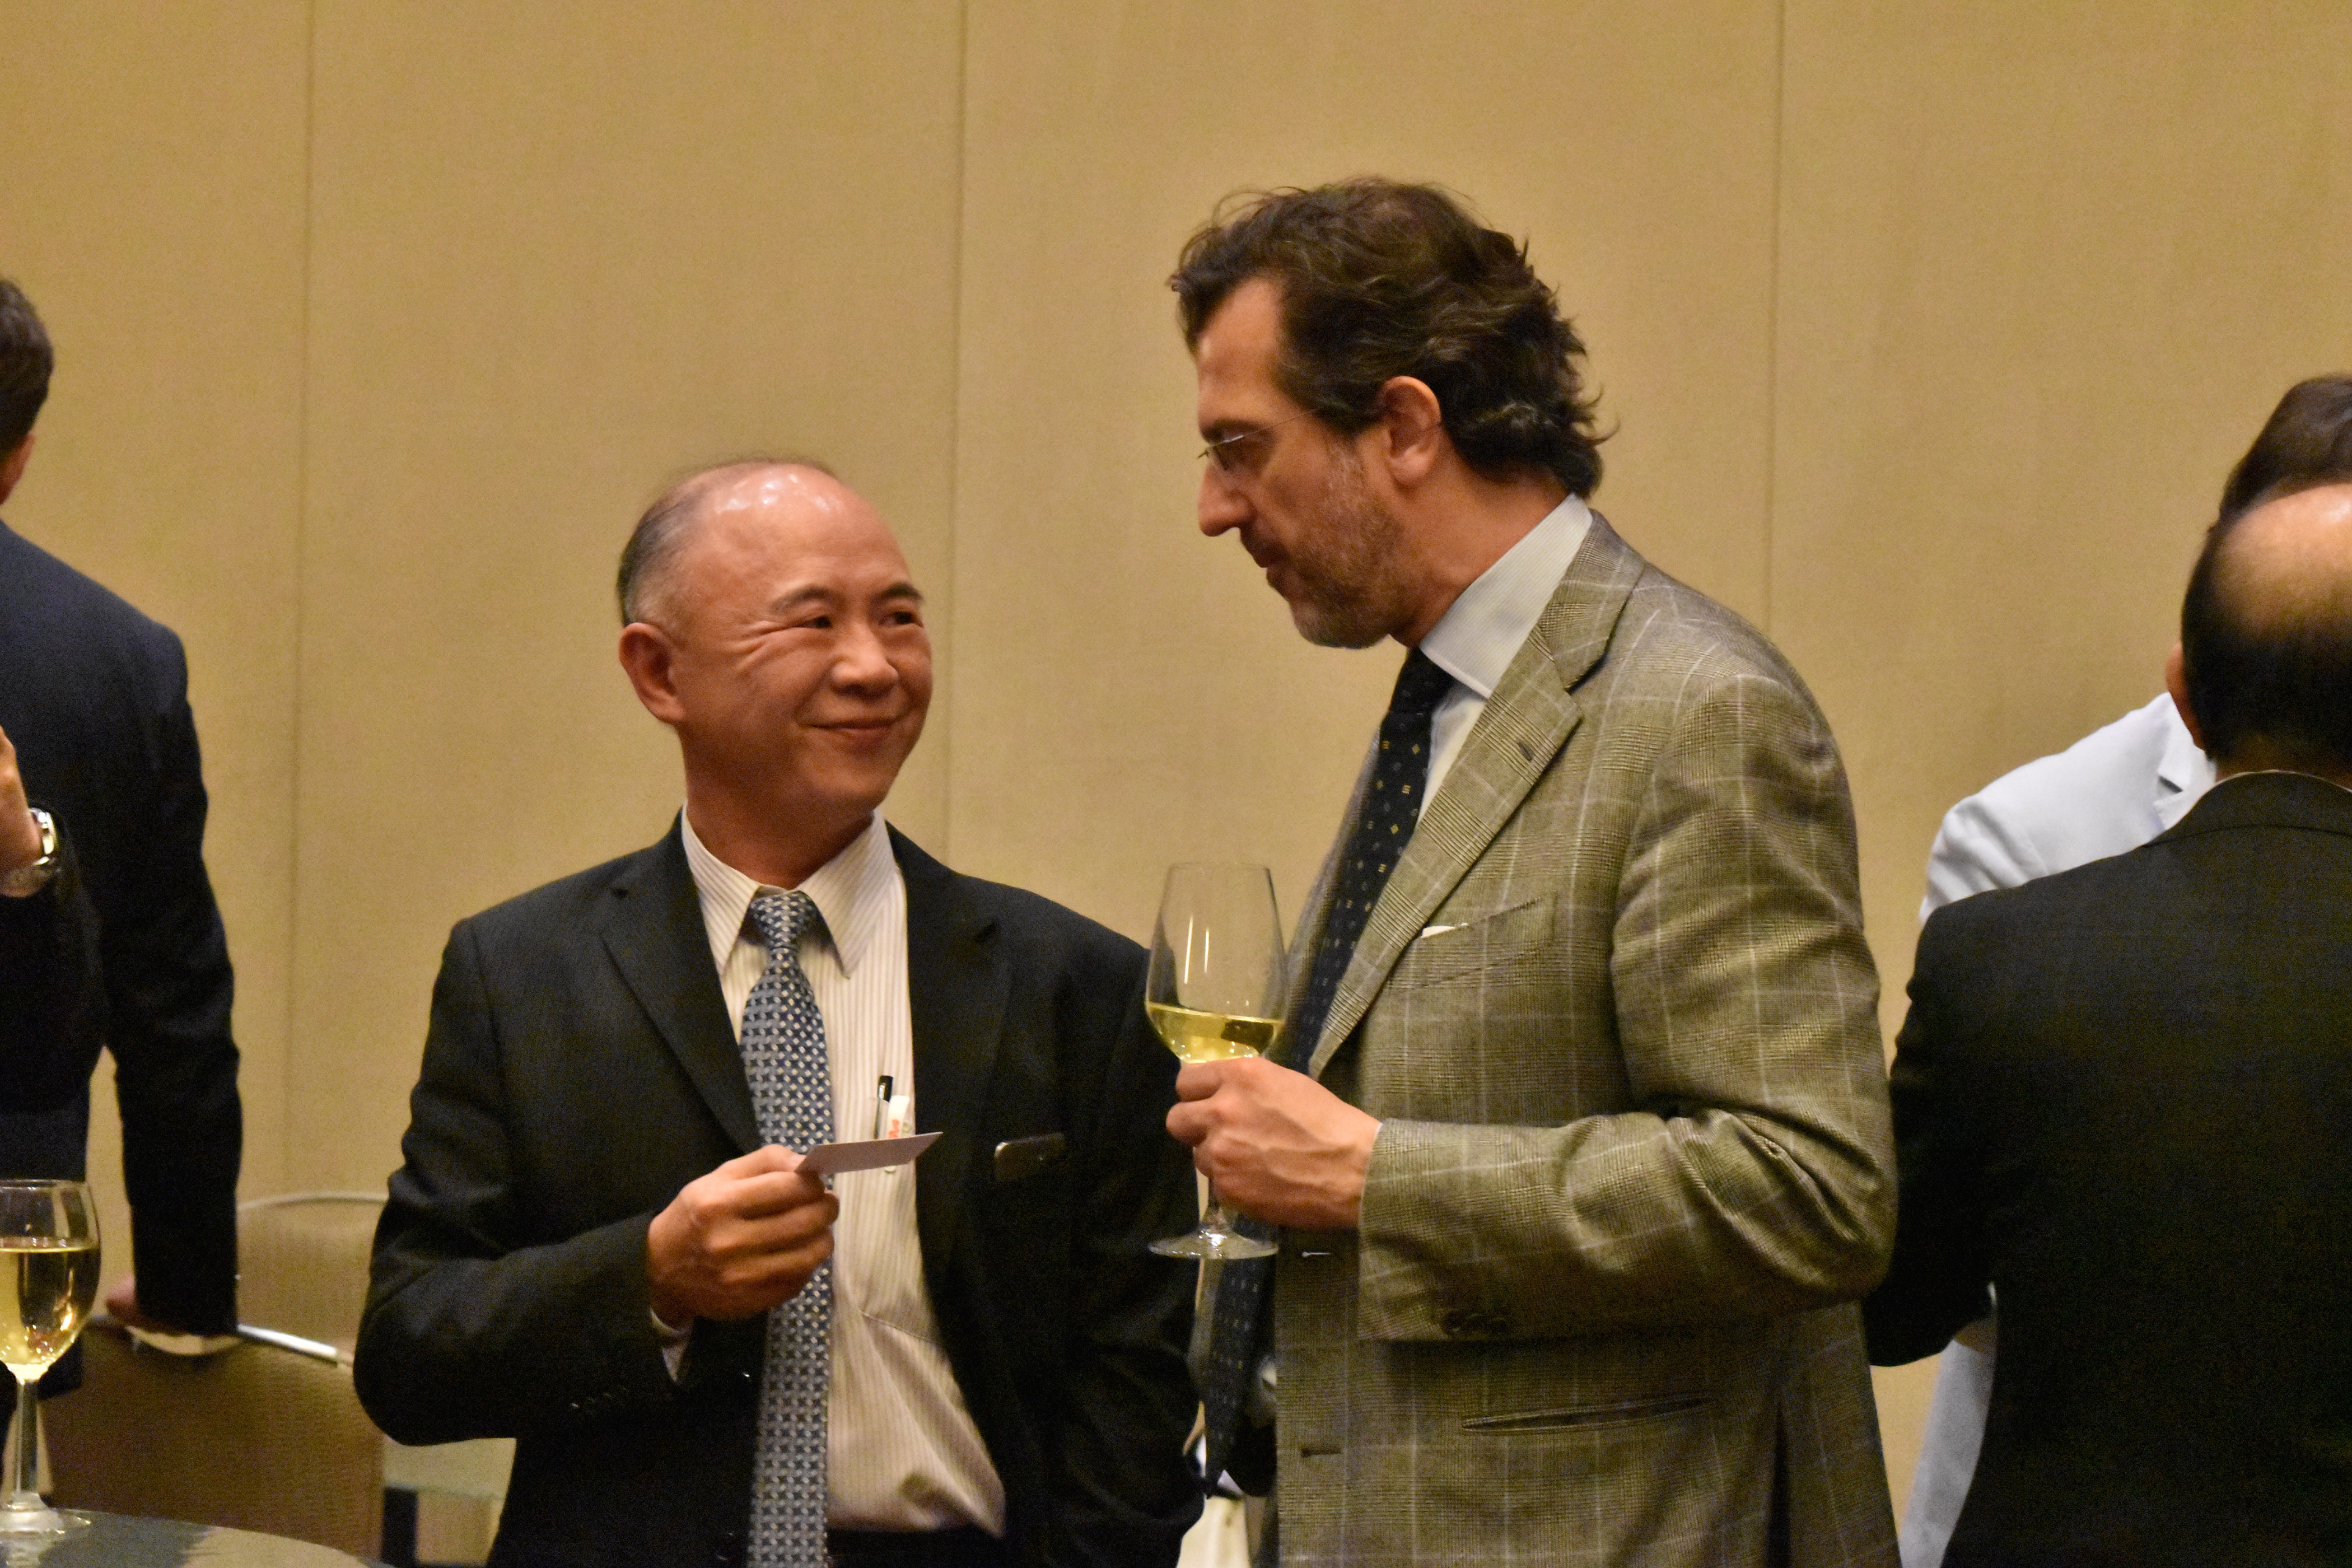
(902,1451)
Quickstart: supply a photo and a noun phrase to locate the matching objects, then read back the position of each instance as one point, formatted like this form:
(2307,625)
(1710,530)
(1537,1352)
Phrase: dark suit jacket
(94,697)
(581,1069)
(52,1011)
(2124,1099)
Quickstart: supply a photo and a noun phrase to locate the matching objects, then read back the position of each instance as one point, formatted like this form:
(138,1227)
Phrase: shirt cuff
(674,1342)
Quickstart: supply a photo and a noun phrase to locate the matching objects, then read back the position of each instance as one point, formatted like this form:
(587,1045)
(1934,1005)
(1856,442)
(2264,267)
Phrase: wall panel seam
(1775,283)
(943,733)
(282,1177)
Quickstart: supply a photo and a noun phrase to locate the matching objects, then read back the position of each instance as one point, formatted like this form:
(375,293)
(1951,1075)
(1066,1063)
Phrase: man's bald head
(771,622)
(2266,635)
(654,544)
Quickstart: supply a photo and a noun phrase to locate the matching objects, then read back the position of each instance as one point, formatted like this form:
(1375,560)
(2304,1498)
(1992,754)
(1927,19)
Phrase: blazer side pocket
(1616,1415)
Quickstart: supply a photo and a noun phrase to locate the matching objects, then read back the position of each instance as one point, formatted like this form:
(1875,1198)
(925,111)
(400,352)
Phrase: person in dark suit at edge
(601,1242)
(93,697)
(2120,1101)
(2114,790)
(52,1014)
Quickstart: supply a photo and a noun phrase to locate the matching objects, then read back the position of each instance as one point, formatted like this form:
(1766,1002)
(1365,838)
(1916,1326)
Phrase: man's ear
(12,467)
(1413,430)
(2176,681)
(651,660)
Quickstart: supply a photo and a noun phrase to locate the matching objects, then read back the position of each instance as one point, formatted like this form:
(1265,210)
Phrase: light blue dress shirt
(1481,632)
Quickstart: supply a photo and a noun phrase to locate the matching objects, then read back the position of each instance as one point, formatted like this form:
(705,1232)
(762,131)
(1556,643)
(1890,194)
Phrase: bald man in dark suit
(2120,1101)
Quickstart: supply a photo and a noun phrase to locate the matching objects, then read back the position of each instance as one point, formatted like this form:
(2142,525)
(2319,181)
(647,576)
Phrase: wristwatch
(30,878)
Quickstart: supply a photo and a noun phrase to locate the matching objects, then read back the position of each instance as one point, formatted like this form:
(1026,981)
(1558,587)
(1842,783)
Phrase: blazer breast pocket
(1018,1159)
(1445,951)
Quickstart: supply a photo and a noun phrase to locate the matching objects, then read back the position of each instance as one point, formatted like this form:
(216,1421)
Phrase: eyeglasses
(1235,454)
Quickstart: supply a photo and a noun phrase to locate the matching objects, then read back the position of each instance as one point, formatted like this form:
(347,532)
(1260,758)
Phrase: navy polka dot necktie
(1242,1333)
(791,1089)
(1391,806)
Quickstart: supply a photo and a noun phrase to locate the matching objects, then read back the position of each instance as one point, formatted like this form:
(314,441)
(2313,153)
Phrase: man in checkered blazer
(1579,1172)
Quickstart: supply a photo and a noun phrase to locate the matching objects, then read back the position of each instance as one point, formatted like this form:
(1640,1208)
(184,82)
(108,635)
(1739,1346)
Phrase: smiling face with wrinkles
(784,644)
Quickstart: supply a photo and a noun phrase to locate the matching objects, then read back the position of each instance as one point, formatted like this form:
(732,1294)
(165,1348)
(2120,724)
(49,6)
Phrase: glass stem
(27,1494)
(1217,1220)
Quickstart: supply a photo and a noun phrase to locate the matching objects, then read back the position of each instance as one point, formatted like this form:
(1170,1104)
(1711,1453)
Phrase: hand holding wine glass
(49,1277)
(1215,990)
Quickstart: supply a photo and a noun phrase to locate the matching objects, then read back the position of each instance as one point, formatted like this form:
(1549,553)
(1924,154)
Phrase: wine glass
(49,1277)
(1214,991)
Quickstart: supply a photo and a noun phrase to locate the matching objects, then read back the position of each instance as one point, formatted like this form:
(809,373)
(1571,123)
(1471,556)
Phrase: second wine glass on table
(49,1277)
(1216,990)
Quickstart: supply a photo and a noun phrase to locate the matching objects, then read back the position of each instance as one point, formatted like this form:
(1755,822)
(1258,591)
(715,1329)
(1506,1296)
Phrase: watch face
(29,880)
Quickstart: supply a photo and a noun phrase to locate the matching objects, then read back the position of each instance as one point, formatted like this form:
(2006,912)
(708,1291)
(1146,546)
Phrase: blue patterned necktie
(791,1089)
(1242,1332)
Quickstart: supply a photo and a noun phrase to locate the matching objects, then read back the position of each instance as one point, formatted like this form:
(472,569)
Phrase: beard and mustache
(1349,585)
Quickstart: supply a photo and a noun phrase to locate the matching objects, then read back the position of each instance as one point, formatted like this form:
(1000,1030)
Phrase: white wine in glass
(49,1277)
(1215,992)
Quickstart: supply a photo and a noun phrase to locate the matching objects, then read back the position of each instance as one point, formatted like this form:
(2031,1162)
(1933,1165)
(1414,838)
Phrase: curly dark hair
(25,364)
(2280,673)
(1380,279)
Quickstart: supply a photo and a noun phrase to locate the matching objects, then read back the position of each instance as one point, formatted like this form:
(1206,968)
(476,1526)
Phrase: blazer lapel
(652,928)
(957,984)
(1529,717)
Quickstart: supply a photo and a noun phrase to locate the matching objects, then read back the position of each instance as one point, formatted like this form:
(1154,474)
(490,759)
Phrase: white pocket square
(1440,930)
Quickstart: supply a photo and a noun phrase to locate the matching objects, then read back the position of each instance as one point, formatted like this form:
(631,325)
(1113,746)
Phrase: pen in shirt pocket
(893,1113)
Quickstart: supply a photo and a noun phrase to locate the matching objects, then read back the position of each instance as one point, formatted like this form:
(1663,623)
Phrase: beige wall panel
(2045,268)
(1128,693)
(151,203)
(562,252)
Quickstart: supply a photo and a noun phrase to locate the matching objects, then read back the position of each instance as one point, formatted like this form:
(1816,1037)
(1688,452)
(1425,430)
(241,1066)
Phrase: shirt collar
(852,891)
(1480,633)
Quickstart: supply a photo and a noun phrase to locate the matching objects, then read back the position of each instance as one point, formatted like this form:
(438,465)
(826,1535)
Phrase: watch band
(27,880)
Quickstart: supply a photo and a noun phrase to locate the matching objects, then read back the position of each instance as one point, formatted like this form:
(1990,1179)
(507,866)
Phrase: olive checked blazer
(1615,1012)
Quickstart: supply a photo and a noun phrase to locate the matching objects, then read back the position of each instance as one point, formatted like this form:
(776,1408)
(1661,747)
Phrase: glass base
(17,1524)
(1211,1245)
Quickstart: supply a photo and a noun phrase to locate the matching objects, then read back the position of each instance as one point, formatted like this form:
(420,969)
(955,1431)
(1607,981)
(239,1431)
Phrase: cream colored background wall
(1930,329)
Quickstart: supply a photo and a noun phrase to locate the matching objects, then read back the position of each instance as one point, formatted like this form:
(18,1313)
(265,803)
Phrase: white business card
(868,1154)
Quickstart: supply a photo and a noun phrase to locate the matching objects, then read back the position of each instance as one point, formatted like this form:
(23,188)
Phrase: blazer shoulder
(561,910)
(1031,920)
(1993,925)
(1708,640)
(73,614)
(1678,662)
(1618,625)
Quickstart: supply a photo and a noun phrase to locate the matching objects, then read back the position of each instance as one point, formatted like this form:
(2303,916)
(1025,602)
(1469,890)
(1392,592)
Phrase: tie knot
(1419,685)
(781,917)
